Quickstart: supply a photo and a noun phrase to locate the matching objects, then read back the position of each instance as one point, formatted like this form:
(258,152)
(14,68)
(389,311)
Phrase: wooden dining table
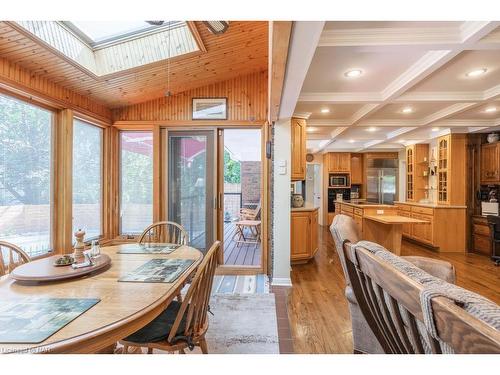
(124,307)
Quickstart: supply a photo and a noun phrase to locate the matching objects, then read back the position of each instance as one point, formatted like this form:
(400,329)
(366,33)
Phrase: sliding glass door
(191,176)
(240,188)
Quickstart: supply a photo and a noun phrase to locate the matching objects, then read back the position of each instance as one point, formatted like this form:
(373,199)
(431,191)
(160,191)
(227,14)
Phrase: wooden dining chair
(181,325)
(11,256)
(166,232)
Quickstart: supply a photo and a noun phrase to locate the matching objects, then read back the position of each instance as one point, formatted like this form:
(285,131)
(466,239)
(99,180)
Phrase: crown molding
(474,31)
(390,36)
(388,123)
(440,96)
(426,65)
(446,112)
(492,93)
(328,122)
(302,115)
(340,97)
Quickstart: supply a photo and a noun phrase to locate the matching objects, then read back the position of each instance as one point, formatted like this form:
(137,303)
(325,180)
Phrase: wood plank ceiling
(243,49)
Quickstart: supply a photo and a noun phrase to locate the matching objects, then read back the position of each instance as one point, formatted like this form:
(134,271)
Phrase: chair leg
(150,350)
(125,349)
(203,346)
(181,351)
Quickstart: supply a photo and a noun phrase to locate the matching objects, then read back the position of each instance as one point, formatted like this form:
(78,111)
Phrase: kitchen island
(446,228)
(387,230)
(439,221)
(358,208)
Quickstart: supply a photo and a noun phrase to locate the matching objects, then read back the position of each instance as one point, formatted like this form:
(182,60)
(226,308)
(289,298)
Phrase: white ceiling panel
(327,69)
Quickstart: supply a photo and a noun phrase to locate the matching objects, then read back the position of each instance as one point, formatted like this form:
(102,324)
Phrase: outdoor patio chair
(250,214)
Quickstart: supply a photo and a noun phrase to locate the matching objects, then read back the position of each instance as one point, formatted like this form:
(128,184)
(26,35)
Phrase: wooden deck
(241,255)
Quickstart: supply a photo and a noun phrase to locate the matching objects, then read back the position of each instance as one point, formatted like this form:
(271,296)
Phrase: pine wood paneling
(242,50)
(22,82)
(246,100)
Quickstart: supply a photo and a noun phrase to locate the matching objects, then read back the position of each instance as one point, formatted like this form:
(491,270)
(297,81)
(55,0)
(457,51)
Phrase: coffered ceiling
(383,85)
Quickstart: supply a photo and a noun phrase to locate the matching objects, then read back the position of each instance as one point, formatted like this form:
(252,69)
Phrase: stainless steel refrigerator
(382,180)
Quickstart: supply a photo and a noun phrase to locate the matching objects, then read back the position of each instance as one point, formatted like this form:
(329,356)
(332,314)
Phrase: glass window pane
(136,197)
(87,179)
(25,175)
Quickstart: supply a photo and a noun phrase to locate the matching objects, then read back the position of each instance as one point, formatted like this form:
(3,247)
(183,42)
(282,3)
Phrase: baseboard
(281,281)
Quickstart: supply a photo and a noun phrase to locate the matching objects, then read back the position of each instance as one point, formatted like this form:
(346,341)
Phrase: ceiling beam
(303,41)
(279,39)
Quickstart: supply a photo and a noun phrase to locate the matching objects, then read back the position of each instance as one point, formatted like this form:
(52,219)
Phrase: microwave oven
(339,180)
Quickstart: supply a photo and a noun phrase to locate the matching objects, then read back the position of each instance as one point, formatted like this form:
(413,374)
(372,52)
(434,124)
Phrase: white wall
(281,203)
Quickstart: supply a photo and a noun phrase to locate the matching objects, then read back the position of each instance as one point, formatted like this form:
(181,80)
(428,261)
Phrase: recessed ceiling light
(372,129)
(351,141)
(407,110)
(435,129)
(353,73)
(490,109)
(476,72)
(325,110)
(311,129)
(402,141)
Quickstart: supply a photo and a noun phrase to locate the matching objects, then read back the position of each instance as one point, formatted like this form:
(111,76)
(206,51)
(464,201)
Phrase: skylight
(108,47)
(99,31)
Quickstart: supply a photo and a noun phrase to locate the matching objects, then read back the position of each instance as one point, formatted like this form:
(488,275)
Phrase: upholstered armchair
(343,228)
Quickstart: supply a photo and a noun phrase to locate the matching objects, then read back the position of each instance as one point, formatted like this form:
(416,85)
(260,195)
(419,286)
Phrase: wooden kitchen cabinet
(423,232)
(339,162)
(452,169)
(356,169)
(442,221)
(481,239)
(303,235)
(490,163)
(417,171)
(298,167)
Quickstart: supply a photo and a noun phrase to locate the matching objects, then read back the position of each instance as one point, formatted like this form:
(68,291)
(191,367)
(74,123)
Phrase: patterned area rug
(244,324)
(241,284)
(244,320)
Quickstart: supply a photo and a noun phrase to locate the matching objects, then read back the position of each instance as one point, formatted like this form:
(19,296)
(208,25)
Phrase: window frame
(52,164)
(102,129)
(129,235)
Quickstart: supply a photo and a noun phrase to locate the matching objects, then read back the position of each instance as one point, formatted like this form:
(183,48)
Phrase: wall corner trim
(281,281)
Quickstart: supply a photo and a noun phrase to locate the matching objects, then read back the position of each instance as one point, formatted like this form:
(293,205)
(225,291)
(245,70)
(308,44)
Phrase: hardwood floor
(318,311)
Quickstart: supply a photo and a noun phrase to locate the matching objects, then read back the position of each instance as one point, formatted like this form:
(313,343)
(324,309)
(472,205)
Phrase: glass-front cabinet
(443,169)
(410,189)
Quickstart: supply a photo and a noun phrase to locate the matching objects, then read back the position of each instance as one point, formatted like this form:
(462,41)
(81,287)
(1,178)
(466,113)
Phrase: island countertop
(361,203)
(429,205)
(305,207)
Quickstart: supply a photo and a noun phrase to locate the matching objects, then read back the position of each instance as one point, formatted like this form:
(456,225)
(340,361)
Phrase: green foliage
(87,163)
(25,153)
(137,178)
(232,169)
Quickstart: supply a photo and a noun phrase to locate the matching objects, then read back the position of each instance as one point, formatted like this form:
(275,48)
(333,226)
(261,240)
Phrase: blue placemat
(159,271)
(36,319)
